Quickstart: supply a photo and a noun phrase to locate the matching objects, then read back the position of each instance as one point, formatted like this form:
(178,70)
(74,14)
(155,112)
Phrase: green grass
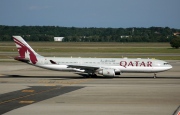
(150,57)
(96,47)
(98,50)
(88,44)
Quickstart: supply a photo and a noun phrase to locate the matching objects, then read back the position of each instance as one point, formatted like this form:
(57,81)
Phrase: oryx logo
(178,113)
(25,51)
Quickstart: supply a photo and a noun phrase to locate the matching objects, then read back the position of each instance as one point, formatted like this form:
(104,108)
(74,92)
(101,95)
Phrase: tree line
(75,34)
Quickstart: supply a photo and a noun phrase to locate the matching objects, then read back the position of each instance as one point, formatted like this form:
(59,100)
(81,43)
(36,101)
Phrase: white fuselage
(119,64)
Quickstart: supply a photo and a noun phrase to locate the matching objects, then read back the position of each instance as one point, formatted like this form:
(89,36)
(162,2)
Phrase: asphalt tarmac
(27,90)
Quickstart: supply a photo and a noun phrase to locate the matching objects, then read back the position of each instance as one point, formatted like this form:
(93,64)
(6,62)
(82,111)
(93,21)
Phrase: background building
(58,38)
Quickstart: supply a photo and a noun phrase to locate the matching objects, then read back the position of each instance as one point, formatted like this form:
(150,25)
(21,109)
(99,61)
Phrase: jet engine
(109,72)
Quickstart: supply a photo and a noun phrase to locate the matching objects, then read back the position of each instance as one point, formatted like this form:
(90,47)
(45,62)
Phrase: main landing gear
(92,75)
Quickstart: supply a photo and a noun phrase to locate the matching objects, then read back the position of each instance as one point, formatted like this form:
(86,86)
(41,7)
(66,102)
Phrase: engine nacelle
(109,72)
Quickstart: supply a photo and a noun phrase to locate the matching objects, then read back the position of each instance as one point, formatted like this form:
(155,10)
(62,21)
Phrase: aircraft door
(80,61)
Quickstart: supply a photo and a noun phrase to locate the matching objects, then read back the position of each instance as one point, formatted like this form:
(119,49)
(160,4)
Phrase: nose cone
(170,67)
(167,68)
(166,65)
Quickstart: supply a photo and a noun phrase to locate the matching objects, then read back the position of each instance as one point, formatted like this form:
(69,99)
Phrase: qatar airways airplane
(107,67)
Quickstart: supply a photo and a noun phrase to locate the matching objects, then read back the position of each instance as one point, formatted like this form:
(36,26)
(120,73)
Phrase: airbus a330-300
(107,67)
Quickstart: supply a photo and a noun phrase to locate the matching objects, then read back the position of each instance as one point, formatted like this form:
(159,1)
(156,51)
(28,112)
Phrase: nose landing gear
(155,75)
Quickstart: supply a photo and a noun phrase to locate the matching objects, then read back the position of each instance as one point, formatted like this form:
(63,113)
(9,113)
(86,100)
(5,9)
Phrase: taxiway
(25,89)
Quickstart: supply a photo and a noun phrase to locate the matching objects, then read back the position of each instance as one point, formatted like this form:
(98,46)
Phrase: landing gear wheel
(92,75)
(89,76)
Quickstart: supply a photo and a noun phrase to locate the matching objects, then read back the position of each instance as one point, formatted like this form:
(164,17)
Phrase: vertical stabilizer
(25,51)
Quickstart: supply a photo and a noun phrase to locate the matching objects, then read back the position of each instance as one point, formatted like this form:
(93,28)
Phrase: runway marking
(17,99)
(27,91)
(26,102)
(50,85)
(66,83)
(27,96)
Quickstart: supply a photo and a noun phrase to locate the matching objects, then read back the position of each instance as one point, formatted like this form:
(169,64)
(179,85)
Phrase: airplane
(107,67)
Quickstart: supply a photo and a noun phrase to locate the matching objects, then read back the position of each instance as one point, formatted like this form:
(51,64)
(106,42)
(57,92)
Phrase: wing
(85,67)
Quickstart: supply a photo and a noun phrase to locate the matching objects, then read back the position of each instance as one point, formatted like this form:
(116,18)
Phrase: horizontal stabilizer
(22,59)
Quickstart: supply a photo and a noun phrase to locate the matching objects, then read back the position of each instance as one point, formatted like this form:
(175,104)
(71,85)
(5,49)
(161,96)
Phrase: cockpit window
(166,63)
